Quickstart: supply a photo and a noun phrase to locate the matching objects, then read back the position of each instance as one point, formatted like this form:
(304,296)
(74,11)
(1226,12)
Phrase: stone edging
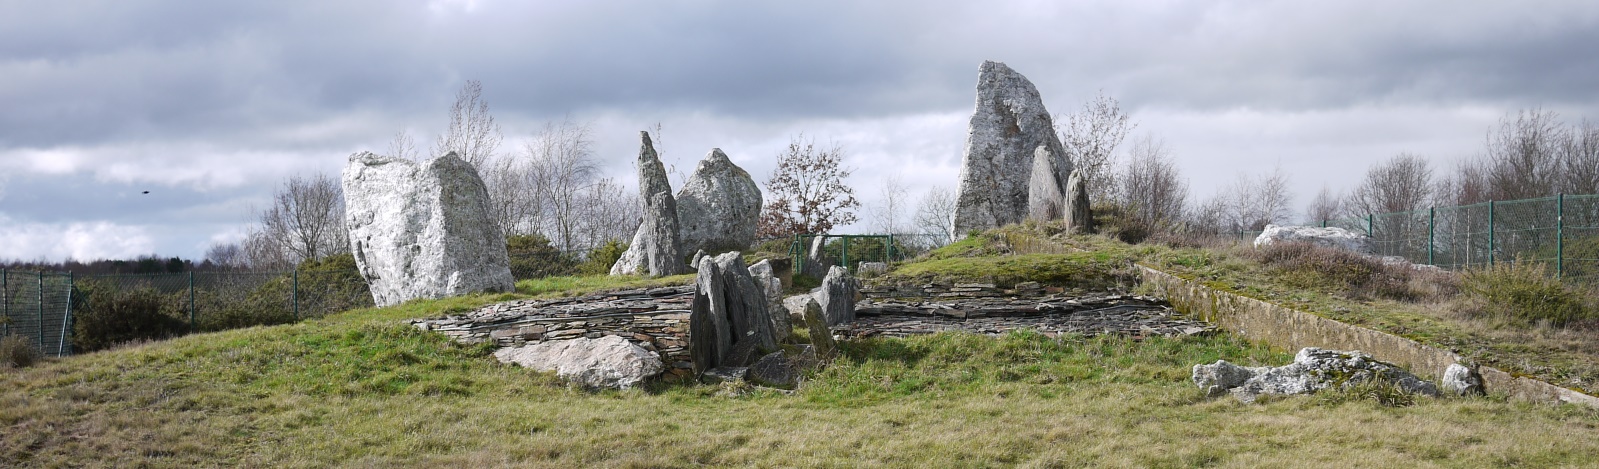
(1287,328)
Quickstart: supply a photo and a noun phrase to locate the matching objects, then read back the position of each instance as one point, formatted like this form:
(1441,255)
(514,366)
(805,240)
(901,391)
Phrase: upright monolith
(422,230)
(1008,126)
(657,247)
(1044,200)
(1079,217)
(728,320)
(718,207)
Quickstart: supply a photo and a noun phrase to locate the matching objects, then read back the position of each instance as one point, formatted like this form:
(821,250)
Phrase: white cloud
(79,240)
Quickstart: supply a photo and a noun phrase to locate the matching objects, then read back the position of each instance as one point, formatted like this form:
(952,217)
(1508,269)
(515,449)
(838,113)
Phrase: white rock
(1045,195)
(1461,380)
(1008,125)
(1313,369)
(606,362)
(1332,237)
(422,231)
(718,206)
(837,296)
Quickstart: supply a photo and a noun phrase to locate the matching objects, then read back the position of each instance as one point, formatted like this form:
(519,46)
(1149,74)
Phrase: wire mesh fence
(1560,232)
(850,251)
(62,313)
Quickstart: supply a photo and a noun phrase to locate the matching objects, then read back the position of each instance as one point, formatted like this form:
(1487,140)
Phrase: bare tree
(262,252)
(933,215)
(1521,155)
(1326,206)
(472,135)
(1401,184)
(890,207)
(1468,185)
(561,163)
(1580,160)
(306,219)
(608,212)
(1250,203)
(1150,186)
(227,256)
(806,192)
(1090,137)
(403,146)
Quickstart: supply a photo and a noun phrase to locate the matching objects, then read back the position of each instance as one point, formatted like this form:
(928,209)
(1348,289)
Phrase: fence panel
(36,306)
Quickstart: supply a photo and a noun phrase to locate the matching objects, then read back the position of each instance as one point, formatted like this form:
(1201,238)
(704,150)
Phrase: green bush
(601,258)
(532,256)
(1306,265)
(1525,294)
(1119,222)
(108,315)
(18,352)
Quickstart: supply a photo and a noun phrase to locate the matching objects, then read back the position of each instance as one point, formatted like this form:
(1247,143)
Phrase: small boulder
(1461,380)
(724,374)
(605,362)
(1217,378)
(775,370)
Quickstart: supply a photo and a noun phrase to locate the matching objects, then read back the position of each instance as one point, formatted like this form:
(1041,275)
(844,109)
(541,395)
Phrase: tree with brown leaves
(806,192)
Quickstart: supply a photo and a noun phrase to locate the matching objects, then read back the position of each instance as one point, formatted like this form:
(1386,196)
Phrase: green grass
(359,389)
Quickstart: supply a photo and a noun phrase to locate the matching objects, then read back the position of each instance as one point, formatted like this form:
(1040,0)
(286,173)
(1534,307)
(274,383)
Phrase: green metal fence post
(1560,235)
(191,301)
(5,298)
(1369,229)
(846,253)
(66,321)
(1324,223)
(1490,232)
(1432,217)
(41,310)
(888,251)
(295,293)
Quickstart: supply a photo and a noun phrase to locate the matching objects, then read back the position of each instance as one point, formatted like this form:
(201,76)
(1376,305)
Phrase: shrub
(109,316)
(1118,222)
(18,352)
(1524,294)
(532,256)
(601,258)
(1306,265)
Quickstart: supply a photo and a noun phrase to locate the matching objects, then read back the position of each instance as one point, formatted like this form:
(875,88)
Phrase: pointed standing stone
(1079,219)
(1007,127)
(657,247)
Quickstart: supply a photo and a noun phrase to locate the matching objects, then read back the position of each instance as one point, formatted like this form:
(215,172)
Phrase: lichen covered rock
(718,206)
(1008,125)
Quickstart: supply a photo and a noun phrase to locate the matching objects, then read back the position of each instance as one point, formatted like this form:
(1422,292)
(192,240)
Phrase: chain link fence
(1561,232)
(63,313)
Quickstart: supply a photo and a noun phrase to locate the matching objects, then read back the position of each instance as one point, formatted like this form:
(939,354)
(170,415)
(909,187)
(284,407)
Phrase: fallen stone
(1332,237)
(774,370)
(605,362)
(718,206)
(724,374)
(422,231)
(1313,369)
(1008,125)
(657,247)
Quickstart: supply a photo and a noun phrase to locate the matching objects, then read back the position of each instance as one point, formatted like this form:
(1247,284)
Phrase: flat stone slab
(1126,315)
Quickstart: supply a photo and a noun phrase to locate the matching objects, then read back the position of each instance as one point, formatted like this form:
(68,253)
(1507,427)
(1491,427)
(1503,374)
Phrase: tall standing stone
(1079,218)
(657,246)
(1008,125)
(422,230)
(837,296)
(718,207)
(728,319)
(1044,199)
(765,278)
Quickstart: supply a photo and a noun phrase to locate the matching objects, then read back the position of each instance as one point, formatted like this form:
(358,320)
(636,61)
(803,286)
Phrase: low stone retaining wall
(1291,329)
(655,319)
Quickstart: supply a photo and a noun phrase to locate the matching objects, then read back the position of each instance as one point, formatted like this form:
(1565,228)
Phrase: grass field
(360,389)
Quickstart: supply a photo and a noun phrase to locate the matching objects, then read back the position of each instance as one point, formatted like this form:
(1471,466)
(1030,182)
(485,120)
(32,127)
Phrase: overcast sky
(209,105)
